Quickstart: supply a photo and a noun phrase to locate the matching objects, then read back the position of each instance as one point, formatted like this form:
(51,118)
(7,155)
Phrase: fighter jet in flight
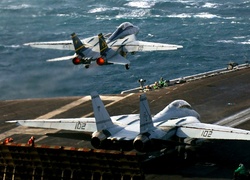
(143,132)
(104,50)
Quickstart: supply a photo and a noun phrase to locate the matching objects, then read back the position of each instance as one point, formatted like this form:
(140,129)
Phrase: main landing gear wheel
(87,66)
(127,66)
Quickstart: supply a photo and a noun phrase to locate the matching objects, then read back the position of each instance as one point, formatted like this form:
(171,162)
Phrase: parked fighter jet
(111,49)
(143,132)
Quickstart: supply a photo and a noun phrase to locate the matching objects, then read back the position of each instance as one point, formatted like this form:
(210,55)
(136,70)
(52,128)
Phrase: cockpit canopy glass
(181,104)
(123,30)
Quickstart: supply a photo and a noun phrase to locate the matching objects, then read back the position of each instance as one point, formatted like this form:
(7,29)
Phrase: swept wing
(211,131)
(63,45)
(74,124)
(59,45)
(143,46)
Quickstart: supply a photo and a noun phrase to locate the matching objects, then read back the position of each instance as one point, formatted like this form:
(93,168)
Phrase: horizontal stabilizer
(118,59)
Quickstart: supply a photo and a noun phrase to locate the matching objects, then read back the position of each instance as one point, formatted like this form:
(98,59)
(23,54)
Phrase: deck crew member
(31,141)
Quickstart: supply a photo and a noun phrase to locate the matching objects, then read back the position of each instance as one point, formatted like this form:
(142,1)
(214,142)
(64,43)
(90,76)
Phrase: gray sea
(212,32)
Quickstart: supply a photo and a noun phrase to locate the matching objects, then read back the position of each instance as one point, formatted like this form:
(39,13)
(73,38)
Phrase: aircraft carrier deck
(220,96)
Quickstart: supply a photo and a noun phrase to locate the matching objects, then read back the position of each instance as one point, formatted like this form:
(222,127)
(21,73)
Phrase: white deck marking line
(151,101)
(70,106)
(111,98)
(64,108)
(134,111)
(117,100)
(235,119)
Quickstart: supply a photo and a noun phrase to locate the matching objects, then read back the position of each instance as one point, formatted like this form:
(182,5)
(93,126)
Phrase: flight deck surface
(215,98)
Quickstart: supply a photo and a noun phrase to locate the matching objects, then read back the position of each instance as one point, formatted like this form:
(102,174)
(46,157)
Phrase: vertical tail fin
(146,122)
(103,45)
(102,117)
(79,46)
